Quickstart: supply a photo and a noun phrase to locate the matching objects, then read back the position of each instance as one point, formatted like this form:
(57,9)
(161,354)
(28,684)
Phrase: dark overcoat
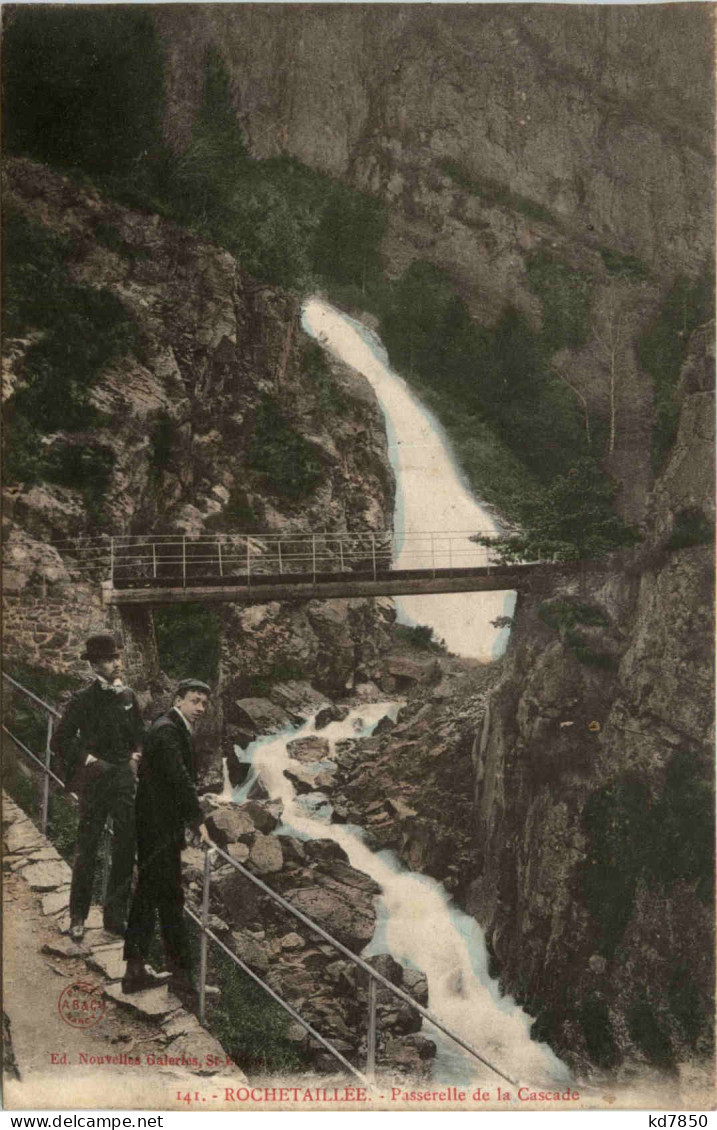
(167,798)
(100,721)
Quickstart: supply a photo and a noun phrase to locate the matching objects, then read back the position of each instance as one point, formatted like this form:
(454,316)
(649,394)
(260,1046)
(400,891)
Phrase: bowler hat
(187,685)
(101,646)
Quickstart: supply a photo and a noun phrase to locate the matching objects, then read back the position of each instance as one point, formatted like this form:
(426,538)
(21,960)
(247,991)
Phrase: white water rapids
(431,496)
(417,924)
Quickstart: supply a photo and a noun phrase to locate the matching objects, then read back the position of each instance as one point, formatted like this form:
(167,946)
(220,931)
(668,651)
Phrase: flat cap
(184,686)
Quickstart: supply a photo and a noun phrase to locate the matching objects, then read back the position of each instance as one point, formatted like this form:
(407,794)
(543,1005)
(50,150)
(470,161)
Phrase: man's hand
(204,835)
(90,759)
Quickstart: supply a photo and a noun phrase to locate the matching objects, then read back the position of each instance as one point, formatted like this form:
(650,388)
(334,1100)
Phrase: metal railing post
(281,567)
(219,551)
(373,554)
(313,557)
(371,1032)
(112,562)
(204,943)
(248,561)
(341,551)
(433,556)
(46,779)
(106,841)
(154,560)
(184,562)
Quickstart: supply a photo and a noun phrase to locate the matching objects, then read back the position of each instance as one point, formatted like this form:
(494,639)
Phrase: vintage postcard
(358,462)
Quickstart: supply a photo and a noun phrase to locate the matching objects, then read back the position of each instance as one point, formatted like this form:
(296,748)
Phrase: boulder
(304,781)
(250,950)
(297,697)
(409,1053)
(228,824)
(240,852)
(261,815)
(410,670)
(350,918)
(266,855)
(260,715)
(309,749)
(384,725)
(330,714)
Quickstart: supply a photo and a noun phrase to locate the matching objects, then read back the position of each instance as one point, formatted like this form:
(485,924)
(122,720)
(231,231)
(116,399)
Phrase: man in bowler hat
(99,739)
(167,803)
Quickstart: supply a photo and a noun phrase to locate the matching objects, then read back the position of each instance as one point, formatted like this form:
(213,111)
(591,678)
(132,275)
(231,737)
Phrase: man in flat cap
(167,803)
(99,739)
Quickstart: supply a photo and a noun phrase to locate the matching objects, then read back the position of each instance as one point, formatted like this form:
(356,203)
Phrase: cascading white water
(416,924)
(430,493)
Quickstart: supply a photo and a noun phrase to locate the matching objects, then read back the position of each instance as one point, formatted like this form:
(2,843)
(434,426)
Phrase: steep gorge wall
(594,784)
(599,117)
(195,421)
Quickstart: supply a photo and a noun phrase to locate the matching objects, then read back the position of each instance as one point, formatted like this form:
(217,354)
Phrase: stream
(417,923)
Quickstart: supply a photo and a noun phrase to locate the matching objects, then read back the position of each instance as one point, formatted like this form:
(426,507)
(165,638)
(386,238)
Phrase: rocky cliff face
(195,423)
(594,785)
(487,129)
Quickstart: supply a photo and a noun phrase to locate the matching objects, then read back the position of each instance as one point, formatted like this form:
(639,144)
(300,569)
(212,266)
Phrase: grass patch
(494,193)
(188,641)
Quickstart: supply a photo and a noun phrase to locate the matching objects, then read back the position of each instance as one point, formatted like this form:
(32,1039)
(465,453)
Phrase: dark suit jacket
(99,721)
(167,794)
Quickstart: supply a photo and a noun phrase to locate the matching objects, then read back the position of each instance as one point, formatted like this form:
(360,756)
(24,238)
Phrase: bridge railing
(157,560)
(207,934)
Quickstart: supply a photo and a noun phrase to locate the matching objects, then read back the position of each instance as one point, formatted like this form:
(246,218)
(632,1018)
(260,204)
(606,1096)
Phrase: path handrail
(207,933)
(358,961)
(204,928)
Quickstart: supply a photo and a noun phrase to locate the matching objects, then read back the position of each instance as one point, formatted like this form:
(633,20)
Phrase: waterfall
(431,493)
(417,924)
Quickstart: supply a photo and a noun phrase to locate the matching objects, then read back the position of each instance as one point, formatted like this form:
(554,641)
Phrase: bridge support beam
(135,624)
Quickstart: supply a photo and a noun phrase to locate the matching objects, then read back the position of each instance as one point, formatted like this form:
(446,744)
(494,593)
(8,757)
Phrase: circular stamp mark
(81,1004)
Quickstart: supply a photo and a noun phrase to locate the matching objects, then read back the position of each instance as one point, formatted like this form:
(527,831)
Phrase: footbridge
(155,569)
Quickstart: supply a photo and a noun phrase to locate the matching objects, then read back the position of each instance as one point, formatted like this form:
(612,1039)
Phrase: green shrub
(691,527)
(572,519)
(663,349)
(420,636)
(289,463)
(633,836)
(82,86)
(79,331)
(259,686)
(315,366)
(161,445)
(492,192)
(188,640)
(624,266)
(565,294)
(594,1019)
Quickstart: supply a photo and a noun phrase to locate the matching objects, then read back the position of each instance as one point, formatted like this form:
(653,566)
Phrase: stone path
(144,1050)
